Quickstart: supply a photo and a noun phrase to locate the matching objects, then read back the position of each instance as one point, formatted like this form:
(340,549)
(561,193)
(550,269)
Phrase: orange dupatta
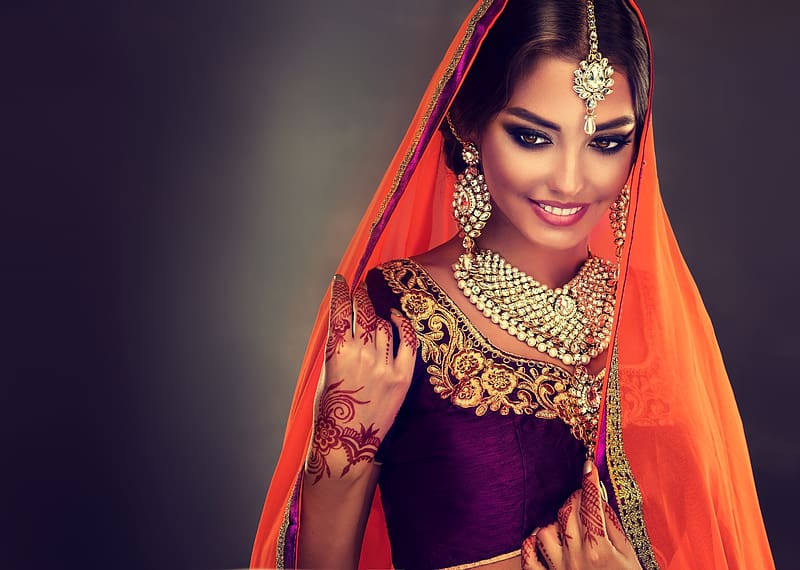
(674,442)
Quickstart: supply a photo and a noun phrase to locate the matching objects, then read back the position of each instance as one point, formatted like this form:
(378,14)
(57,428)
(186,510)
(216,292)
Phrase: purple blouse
(478,456)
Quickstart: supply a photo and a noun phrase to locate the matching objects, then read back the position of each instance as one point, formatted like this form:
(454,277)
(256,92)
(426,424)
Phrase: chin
(560,239)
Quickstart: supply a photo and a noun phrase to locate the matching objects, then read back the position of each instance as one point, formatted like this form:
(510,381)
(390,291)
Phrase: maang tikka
(471,201)
(593,77)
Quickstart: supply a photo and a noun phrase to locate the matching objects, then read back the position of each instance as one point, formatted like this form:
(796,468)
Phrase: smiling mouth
(556,211)
(559,215)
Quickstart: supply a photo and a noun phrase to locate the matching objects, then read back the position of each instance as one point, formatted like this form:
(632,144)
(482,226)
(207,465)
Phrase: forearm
(333,517)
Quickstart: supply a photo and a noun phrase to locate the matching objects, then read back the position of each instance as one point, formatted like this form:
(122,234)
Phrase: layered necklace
(571,323)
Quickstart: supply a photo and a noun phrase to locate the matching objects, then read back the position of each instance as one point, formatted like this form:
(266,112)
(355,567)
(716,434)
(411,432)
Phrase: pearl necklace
(572,323)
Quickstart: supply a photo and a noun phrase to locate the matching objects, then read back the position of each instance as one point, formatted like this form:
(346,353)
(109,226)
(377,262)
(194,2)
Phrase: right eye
(528,138)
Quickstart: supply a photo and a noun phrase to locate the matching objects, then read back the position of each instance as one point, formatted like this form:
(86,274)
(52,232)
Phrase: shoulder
(387,282)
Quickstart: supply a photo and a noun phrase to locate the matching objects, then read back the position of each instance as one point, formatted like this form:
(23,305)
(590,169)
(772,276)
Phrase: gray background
(181,181)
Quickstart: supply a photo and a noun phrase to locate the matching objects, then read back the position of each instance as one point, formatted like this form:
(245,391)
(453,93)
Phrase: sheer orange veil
(674,442)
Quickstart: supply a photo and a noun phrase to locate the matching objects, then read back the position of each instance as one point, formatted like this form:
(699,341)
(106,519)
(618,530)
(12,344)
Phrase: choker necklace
(571,323)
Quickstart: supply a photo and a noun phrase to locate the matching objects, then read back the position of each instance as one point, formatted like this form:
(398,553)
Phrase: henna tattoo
(563,517)
(365,315)
(359,445)
(336,408)
(590,514)
(384,326)
(408,335)
(529,551)
(340,317)
(612,516)
(544,558)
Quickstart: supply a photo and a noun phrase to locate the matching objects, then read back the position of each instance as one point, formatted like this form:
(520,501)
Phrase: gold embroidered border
(629,497)
(471,373)
(448,73)
(499,558)
(280,563)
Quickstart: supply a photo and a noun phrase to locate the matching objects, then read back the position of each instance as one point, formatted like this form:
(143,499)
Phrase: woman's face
(551,182)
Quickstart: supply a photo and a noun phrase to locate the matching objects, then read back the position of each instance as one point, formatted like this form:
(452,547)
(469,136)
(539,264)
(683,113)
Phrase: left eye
(532,138)
(606,144)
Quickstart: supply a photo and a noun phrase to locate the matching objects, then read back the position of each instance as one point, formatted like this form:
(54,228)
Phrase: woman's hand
(360,390)
(362,386)
(587,535)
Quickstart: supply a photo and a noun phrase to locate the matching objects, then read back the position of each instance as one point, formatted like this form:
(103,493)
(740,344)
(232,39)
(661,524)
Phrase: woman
(472,394)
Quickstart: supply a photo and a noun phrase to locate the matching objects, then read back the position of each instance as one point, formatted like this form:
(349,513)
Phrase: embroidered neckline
(444,298)
(465,368)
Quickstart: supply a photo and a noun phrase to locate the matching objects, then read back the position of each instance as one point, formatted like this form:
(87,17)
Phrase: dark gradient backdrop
(180,180)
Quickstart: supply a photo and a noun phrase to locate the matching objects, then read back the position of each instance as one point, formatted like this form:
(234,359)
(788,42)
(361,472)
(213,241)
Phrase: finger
(409,343)
(384,338)
(590,514)
(567,520)
(530,558)
(366,319)
(550,550)
(340,317)
(615,532)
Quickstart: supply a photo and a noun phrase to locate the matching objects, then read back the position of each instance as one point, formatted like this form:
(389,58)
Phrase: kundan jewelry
(593,77)
(571,323)
(619,218)
(471,203)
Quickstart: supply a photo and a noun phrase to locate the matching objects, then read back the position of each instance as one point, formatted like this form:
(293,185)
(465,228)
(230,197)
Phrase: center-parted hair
(529,29)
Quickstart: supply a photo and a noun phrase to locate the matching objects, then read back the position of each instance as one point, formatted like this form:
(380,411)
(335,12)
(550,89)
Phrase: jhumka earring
(619,219)
(471,203)
(593,77)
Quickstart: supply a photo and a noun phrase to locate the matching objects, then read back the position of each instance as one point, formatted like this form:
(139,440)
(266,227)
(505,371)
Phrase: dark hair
(528,29)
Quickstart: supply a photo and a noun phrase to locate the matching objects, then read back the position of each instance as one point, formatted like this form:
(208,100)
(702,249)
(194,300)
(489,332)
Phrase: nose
(567,176)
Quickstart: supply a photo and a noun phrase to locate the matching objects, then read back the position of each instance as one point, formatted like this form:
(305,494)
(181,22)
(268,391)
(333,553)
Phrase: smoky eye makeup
(611,143)
(527,137)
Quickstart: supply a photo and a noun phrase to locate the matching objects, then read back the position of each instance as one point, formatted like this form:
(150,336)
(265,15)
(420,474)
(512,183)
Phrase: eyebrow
(541,121)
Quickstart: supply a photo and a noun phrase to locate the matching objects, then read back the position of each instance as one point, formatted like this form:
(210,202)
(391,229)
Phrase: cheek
(609,176)
(509,171)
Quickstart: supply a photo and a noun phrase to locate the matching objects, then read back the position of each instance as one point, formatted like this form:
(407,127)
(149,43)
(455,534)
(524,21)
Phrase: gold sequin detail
(467,370)
(626,490)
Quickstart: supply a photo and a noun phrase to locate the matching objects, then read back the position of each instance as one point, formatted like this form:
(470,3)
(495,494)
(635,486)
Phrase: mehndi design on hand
(365,315)
(340,317)
(563,517)
(591,515)
(337,407)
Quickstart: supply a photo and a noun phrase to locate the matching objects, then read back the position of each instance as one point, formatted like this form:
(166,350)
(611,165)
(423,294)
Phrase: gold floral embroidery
(626,490)
(465,369)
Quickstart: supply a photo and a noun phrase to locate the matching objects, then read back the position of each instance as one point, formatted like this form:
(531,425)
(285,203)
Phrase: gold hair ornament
(593,77)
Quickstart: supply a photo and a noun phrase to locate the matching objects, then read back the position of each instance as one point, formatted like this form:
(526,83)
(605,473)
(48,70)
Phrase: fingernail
(603,492)
(338,277)
(395,312)
(587,467)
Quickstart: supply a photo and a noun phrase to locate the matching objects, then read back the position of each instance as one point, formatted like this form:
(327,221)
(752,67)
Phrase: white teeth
(560,211)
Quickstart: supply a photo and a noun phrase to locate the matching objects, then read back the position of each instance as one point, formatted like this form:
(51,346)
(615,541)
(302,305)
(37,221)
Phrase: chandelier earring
(471,201)
(619,219)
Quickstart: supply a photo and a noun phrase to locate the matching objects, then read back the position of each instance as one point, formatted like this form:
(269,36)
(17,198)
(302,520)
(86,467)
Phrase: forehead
(547,91)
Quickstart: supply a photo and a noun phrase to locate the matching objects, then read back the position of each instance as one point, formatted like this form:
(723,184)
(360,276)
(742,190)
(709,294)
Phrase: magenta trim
(293,529)
(440,108)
